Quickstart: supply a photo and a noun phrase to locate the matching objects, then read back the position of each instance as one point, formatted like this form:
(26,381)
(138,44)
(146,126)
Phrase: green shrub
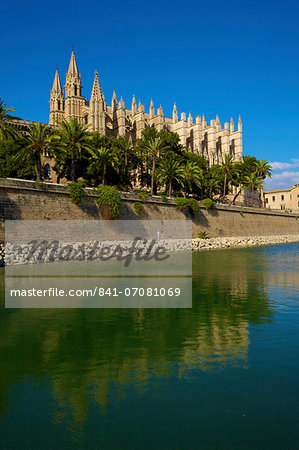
(142,195)
(193,205)
(109,202)
(164,199)
(203,235)
(138,206)
(208,203)
(38,184)
(76,192)
(183,203)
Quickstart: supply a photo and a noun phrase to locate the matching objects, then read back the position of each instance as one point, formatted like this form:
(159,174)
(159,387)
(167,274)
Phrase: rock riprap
(51,251)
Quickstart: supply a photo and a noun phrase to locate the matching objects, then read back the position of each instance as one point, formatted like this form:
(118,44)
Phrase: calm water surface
(221,375)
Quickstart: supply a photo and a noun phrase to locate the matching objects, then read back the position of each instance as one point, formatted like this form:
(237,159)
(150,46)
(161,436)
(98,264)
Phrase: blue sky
(226,58)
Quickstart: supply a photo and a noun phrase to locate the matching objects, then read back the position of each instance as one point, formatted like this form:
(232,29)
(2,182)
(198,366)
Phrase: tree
(103,159)
(154,146)
(253,182)
(170,170)
(6,129)
(127,160)
(71,139)
(9,166)
(263,168)
(34,143)
(213,187)
(192,176)
(227,169)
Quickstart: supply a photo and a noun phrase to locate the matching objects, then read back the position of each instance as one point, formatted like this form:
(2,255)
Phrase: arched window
(75,91)
(58,105)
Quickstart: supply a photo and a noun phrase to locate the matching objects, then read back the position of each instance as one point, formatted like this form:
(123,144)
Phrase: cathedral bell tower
(74,102)
(56,101)
(97,107)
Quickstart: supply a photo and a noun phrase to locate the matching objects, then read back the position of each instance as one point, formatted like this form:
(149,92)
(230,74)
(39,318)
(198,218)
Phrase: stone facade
(211,141)
(282,198)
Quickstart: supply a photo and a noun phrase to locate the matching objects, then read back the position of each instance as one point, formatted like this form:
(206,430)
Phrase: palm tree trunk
(224,187)
(170,188)
(237,195)
(104,175)
(73,168)
(153,174)
(126,167)
(38,167)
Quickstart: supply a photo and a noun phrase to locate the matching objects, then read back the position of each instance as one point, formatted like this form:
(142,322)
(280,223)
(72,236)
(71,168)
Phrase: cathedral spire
(114,101)
(174,114)
(96,93)
(240,124)
(73,68)
(56,101)
(121,103)
(151,109)
(73,87)
(134,105)
(232,125)
(56,84)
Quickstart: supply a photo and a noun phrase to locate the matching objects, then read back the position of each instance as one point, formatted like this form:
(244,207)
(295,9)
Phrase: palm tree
(103,158)
(213,185)
(126,152)
(227,168)
(72,138)
(6,129)
(34,143)
(192,175)
(253,182)
(263,170)
(154,146)
(169,171)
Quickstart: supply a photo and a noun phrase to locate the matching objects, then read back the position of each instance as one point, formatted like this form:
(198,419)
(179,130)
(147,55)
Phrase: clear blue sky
(212,57)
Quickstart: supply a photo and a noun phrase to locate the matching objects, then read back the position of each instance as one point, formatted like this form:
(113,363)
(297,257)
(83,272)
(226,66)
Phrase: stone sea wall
(22,200)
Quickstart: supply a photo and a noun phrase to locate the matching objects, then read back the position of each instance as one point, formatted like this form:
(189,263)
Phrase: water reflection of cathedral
(88,355)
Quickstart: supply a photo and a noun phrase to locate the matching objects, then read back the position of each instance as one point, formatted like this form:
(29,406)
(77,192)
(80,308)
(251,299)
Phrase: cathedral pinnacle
(114,101)
(134,105)
(56,88)
(73,68)
(240,124)
(96,92)
(232,125)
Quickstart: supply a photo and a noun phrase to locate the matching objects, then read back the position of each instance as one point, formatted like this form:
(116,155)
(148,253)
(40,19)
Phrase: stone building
(282,198)
(212,141)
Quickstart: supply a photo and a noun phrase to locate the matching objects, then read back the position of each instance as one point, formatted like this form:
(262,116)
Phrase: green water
(223,374)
